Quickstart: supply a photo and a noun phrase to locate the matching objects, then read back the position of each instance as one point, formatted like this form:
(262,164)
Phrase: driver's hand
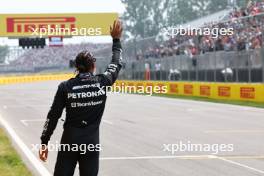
(116,30)
(43,153)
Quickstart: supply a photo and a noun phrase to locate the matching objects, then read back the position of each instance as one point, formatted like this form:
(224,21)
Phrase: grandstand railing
(222,66)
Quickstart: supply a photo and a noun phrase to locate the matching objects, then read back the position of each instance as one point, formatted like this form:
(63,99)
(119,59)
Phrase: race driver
(84,98)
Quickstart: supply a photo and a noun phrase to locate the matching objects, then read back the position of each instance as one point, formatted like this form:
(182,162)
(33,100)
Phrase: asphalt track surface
(136,127)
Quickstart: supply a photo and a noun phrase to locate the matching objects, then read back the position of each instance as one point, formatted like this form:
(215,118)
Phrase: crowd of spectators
(54,56)
(247,24)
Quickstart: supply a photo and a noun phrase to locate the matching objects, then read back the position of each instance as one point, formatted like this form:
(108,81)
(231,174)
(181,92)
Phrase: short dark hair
(84,61)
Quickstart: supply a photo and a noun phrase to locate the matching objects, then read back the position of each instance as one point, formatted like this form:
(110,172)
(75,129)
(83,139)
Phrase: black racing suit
(84,98)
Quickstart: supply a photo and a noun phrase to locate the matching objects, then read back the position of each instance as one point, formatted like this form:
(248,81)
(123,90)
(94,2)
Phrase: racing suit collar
(84,75)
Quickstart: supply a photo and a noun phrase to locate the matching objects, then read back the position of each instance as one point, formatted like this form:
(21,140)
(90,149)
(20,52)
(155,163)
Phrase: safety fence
(222,66)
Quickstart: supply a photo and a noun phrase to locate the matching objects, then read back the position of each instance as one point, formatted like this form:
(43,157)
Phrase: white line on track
(31,157)
(234,131)
(201,157)
(33,120)
(184,157)
(108,122)
(157,157)
(25,122)
(238,164)
(44,172)
(25,106)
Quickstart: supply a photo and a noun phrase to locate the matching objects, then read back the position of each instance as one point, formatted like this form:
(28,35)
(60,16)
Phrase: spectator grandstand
(248,25)
(54,56)
(193,57)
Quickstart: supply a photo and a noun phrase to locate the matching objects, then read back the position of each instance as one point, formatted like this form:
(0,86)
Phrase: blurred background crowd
(50,56)
(247,24)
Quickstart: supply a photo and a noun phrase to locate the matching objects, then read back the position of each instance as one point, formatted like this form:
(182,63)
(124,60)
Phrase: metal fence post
(205,74)
(196,68)
(161,67)
(225,68)
(249,66)
(180,66)
(262,63)
(189,67)
(236,65)
(214,63)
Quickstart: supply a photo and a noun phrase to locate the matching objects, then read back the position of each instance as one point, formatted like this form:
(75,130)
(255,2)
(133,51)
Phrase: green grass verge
(233,102)
(10,163)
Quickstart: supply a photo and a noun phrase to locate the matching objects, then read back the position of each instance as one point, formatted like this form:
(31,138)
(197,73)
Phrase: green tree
(185,11)
(144,18)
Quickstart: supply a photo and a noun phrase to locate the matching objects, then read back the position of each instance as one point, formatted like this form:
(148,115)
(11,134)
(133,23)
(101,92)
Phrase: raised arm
(115,66)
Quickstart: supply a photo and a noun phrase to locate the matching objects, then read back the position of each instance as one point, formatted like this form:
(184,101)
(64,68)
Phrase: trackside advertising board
(43,25)
(227,91)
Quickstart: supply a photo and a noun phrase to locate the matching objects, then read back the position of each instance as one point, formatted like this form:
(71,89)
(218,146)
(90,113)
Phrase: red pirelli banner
(22,25)
(247,92)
